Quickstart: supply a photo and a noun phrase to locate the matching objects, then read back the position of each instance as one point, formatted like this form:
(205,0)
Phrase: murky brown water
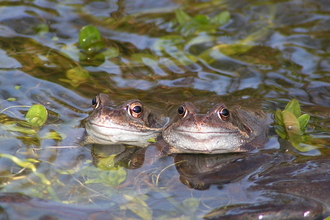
(269,50)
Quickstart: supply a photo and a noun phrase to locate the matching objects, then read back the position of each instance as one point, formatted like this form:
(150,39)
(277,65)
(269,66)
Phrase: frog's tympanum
(222,129)
(130,123)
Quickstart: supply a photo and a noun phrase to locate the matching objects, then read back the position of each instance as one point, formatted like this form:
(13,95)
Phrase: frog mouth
(208,131)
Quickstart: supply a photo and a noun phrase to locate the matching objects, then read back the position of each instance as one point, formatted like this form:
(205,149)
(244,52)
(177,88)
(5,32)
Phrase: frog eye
(95,103)
(135,109)
(223,113)
(182,111)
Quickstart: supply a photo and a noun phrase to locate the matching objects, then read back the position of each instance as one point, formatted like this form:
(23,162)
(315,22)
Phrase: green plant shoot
(291,125)
(37,115)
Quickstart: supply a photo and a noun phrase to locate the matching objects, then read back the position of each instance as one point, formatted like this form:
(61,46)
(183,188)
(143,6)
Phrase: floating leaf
(291,123)
(221,18)
(202,19)
(11,99)
(303,121)
(280,131)
(182,17)
(279,118)
(90,39)
(17,87)
(77,74)
(37,115)
(111,52)
(294,107)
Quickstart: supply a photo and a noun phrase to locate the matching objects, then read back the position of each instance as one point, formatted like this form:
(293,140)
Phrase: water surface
(272,51)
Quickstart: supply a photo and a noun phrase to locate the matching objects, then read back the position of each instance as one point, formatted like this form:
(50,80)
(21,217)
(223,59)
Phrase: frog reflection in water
(220,130)
(130,123)
(260,185)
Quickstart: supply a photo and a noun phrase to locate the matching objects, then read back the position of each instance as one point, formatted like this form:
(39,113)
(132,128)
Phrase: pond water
(163,53)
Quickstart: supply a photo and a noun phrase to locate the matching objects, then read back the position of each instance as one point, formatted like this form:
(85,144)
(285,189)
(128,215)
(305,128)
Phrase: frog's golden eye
(223,113)
(135,109)
(182,110)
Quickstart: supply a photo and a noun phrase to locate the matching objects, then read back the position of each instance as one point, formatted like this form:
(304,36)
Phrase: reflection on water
(272,51)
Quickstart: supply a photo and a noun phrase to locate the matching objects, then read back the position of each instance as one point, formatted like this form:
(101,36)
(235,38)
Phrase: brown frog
(130,123)
(222,129)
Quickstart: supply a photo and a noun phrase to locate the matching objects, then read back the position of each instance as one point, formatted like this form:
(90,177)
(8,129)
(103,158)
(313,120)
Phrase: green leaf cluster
(291,125)
(200,23)
(290,122)
(93,47)
(109,175)
(37,115)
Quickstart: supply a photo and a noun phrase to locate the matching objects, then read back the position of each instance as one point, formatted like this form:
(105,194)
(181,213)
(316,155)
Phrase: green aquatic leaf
(11,99)
(138,206)
(280,131)
(303,147)
(41,28)
(202,19)
(140,57)
(107,163)
(90,39)
(279,118)
(13,126)
(233,49)
(67,172)
(191,204)
(76,76)
(115,178)
(111,52)
(294,107)
(182,17)
(221,18)
(53,135)
(22,163)
(37,115)
(303,121)
(112,178)
(291,123)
